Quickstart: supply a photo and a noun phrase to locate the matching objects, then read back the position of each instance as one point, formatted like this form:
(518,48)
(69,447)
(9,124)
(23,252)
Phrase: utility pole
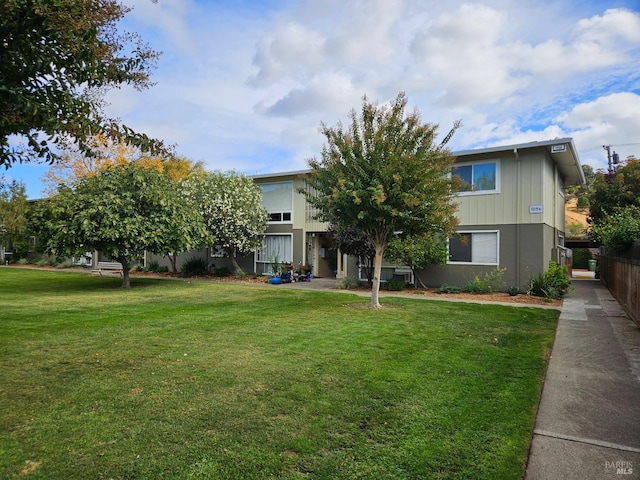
(612,158)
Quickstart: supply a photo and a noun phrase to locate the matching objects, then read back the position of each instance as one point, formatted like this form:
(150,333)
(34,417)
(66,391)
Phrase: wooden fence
(621,275)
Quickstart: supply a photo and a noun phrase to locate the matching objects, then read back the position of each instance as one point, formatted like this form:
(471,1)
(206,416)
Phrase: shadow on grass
(51,281)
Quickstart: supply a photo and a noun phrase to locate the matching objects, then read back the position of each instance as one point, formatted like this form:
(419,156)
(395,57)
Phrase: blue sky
(244,85)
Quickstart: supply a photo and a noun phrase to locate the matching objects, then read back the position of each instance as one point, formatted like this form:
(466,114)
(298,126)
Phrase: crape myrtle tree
(122,211)
(383,174)
(58,58)
(230,204)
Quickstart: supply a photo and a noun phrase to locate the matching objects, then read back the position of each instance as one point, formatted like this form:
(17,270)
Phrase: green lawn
(213,381)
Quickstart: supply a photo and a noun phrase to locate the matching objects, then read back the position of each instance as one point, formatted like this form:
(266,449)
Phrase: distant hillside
(573,216)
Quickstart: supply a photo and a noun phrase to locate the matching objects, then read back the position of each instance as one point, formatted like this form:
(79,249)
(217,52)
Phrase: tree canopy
(418,252)
(612,191)
(381,175)
(74,164)
(615,206)
(58,58)
(231,206)
(122,212)
(13,208)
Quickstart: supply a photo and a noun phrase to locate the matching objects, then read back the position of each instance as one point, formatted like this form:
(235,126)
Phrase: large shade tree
(13,208)
(613,191)
(57,59)
(615,206)
(383,174)
(231,205)
(122,212)
(73,164)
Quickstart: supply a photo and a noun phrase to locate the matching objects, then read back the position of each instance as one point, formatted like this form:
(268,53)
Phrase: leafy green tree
(611,192)
(418,252)
(231,206)
(351,242)
(13,207)
(58,57)
(619,230)
(383,174)
(122,212)
(583,190)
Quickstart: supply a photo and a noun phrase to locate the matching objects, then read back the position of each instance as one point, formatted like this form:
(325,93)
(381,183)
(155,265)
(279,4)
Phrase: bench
(108,268)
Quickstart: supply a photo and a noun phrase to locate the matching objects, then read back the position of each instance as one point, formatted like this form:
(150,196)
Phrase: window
(277,199)
(478,178)
(474,247)
(275,249)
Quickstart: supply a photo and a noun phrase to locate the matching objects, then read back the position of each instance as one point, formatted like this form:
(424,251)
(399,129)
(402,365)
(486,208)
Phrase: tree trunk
(172,260)
(126,283)
(417,279)
(377,272)
(234,262)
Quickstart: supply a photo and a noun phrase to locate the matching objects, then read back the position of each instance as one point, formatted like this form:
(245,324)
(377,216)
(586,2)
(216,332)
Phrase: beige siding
(530,179)
(521,185)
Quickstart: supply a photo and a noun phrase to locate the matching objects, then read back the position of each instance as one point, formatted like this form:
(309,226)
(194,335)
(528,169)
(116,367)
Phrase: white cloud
(609,120)
(246,84)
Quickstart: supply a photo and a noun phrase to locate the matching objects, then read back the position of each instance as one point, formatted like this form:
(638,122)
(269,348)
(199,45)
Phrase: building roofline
(571,170)
(517,146)
(280,174)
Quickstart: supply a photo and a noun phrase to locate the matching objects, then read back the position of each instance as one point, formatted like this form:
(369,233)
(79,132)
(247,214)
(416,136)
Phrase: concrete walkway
(588,422)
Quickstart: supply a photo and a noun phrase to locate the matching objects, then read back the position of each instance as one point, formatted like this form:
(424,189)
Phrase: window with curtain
(275,248)
(474,247)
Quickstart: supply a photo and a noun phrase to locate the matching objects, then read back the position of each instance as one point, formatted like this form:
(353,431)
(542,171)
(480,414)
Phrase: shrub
(194,267)
(490,282)
(552,284)
(239,273)
(394,285)
(619,231)
(475,286)
(162,269)
(558,277)
(221,272)
(513,290)
(494,279)
(538,287)
(152,267)
(581,257)
(347,283)
(449,289)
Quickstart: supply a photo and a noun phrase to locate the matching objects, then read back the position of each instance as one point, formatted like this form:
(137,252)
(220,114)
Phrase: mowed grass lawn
(201,380)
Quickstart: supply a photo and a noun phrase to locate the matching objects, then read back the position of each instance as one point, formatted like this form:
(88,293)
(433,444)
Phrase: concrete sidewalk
(588,423)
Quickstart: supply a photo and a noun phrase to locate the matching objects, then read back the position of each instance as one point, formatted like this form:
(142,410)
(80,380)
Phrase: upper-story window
(277,199)
(478,178)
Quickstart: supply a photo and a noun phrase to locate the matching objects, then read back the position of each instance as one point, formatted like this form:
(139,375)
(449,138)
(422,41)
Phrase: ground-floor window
(474,247)
(275,249)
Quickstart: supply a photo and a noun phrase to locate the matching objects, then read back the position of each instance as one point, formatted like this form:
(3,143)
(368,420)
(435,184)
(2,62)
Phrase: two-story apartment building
(510,212)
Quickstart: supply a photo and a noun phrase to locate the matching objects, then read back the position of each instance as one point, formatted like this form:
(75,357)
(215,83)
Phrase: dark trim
(580,243)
